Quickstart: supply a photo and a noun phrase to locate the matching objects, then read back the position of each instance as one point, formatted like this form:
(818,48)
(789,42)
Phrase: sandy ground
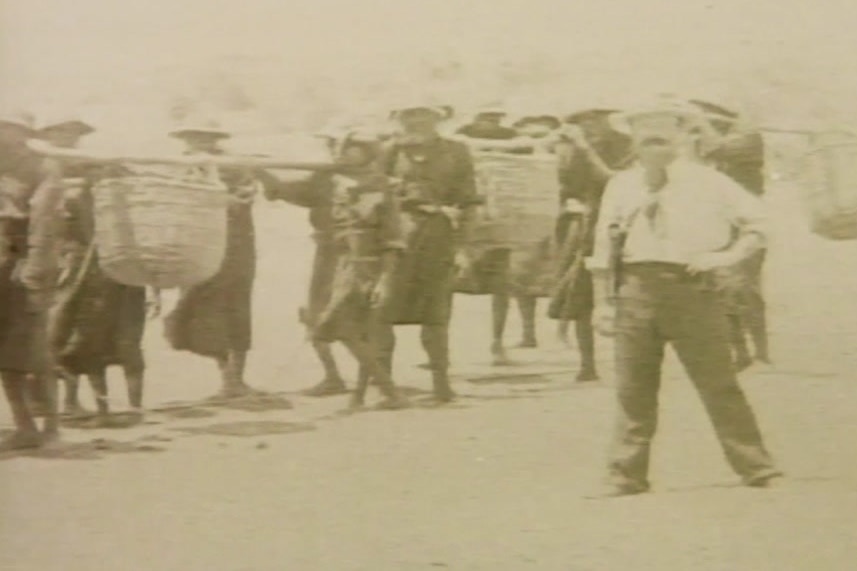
(496,481)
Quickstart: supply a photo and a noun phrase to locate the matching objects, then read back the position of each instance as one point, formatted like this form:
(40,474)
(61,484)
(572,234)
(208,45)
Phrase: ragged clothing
(582,186)
(316,194)
(95,322)
(366,226)
(30,196)
(215,317)
(437,182)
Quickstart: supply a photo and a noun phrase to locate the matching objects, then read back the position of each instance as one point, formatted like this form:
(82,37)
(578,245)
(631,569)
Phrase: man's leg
(72,404)
(26,432)
(499,314)
(586,347)
(756,318)
(702,344)
(332,383)
(435,340)
(741,354)
(527,307)
(639,352)
(98,380)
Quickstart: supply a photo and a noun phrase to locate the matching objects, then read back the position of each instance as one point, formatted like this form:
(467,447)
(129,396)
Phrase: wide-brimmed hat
(589,112)
(715,111)
(441,110)
(65,119)
(536,117)
(18,117)
(200,126)
(669,106)
(494,109)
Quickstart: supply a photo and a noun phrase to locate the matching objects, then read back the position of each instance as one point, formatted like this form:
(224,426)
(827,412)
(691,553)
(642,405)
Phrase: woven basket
(829,185)
(159,230)
(521,197)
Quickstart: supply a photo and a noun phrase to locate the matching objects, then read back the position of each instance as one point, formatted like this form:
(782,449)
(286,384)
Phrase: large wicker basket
(829,185)
(158,230)
(521,198)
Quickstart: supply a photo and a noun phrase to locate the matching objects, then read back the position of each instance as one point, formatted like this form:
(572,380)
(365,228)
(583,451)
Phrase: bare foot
(498,355)
(528,344)
(587,375)
(234,391)
(75,410)
(396,402)
(327,387)
(22,440)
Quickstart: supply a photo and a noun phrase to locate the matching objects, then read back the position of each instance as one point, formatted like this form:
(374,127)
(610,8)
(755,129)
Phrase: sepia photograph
(346,285)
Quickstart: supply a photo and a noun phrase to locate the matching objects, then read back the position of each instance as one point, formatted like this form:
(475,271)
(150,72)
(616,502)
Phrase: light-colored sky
(57,45)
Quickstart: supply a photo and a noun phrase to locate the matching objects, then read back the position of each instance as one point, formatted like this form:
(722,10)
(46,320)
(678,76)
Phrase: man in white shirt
(668,234)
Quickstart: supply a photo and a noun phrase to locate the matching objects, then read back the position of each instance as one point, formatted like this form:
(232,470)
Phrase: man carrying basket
(30,196)
(438,192)
(213,319)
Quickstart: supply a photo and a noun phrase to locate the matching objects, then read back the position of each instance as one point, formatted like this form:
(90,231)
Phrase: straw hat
(18,117)
(66,119)
(493,109)
(442,111)
(664,105)
(200,126)
(537,117)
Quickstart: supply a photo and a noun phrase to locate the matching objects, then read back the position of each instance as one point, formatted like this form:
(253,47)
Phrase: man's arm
(42,262)
(307,193)
(599,264)
(466,195)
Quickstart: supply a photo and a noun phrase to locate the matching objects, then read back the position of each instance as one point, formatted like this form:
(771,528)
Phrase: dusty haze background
(788,62)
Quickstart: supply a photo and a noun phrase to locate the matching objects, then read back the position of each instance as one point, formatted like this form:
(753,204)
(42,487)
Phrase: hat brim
(578,116)
(182,133)
(82,127)
(538,119)
(17,124)
(621,121)
(442,112)
(714,110)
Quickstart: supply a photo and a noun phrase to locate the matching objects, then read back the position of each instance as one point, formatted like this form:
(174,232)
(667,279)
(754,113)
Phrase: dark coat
(215,317)
(30,196)
(439,173)
(95,321)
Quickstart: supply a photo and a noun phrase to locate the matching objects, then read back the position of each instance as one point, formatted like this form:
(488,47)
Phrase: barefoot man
(213,319)
(31,193)
(438,195)
(96,322)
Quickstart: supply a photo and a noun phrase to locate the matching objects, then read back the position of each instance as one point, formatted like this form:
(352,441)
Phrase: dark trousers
(661,303)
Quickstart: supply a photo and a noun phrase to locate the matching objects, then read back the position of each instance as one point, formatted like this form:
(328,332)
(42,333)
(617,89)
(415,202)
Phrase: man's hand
(153,303)
(463,263)
(711,261)
(381,293)
(604,320)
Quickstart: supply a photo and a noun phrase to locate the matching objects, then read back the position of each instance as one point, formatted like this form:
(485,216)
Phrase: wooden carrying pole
(226,161)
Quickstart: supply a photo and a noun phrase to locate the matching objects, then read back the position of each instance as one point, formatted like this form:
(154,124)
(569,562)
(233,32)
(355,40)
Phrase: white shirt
(700,210)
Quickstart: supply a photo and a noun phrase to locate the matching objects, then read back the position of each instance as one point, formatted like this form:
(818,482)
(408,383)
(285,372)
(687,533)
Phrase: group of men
(657,224)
